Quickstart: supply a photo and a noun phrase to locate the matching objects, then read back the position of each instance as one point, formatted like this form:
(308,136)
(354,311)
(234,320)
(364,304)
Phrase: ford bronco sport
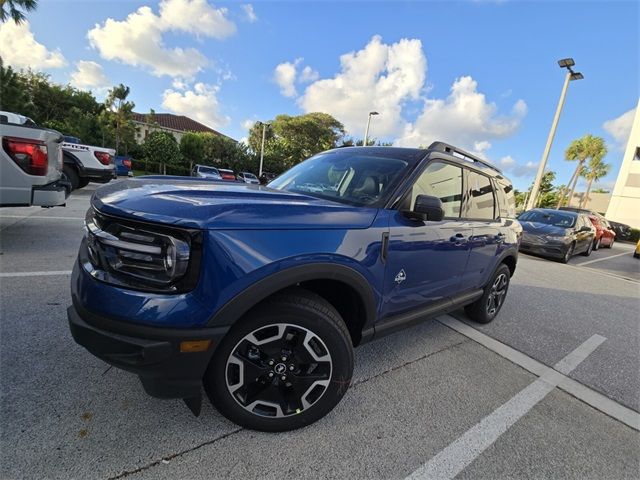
(261,293)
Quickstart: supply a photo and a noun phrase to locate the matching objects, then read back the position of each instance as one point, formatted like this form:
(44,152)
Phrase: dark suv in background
(261,293)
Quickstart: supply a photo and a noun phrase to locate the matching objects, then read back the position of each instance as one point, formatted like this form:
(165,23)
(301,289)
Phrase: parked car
(266,177)
(622,231)
(204,171)
(30,164)
(87,163)
(605,236)
(123,166)
(248,177)
(227,174)
(636,253)
(557,234)
(262,294)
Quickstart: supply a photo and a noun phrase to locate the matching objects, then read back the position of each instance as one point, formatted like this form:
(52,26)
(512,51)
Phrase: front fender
(260,290)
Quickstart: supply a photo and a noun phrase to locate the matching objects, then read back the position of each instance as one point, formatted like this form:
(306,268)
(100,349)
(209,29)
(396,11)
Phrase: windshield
(250,175)
(344,176)
(210,170)
(558,219)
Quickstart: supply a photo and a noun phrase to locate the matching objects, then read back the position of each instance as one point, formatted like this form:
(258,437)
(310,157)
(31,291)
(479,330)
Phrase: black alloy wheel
(284,365)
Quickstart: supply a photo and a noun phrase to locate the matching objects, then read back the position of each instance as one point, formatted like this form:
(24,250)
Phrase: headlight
(557,238)
(142,256)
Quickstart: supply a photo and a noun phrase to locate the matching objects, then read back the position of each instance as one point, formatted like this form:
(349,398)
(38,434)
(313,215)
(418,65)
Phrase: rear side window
(481,204)
(443,181)
(506,198)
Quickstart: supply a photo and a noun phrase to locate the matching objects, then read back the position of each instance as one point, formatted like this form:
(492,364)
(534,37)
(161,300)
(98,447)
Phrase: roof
(180,123)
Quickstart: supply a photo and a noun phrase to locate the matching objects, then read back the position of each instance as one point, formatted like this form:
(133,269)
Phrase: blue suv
(261,293)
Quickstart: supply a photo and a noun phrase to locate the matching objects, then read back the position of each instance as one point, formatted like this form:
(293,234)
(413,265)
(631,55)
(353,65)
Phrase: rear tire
(284,365)
(611,244)
(83,182)
(72,176)
(487,307)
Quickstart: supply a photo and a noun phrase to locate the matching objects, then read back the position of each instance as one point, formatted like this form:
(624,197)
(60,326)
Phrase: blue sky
(403,59)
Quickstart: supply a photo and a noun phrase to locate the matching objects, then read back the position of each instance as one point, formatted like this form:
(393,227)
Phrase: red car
(227,174)
(605,236)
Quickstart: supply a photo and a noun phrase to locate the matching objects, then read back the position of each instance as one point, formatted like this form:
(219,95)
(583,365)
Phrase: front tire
(486,308)
(569,253)
(283,366)
(589,249)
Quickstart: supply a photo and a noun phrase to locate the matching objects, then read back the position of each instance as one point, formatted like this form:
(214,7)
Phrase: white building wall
(625,200)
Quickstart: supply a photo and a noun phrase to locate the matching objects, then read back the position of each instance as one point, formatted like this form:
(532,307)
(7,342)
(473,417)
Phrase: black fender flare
(511,252)
(256,293)
(69,158)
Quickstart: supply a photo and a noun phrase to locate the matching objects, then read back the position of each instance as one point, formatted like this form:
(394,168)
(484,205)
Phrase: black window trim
(413,178)
(496,219)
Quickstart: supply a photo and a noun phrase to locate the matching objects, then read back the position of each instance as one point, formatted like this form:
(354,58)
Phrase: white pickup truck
(30,164)
(86,163)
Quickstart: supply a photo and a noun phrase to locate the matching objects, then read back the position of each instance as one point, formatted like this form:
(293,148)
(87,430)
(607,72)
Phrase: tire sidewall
(335,341)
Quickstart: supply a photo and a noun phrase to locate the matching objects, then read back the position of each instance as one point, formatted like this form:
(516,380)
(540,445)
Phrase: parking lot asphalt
(422,399)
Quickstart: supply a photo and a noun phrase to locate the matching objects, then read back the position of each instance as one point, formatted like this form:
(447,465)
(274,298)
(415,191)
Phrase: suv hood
(193,203)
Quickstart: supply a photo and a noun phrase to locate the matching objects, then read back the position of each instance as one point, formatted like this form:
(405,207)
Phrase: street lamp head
(374,113)
(576,76)
(566,63)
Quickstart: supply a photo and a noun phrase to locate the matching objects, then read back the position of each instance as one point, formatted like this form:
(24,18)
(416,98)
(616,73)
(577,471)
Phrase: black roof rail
(450,149)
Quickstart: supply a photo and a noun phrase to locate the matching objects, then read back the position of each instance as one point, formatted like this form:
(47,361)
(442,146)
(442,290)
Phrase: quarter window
(481,198)
(443,181)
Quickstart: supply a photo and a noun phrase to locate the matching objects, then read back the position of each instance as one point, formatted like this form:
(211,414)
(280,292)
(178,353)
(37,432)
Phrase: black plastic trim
(248,298)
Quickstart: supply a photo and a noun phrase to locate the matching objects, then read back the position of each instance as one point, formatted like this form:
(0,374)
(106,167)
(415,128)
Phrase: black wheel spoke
(279,370)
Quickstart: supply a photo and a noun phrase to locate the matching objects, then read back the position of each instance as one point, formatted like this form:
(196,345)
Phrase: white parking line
(42,217)
(35,274)
(458,455)
(601,259)
(589,396)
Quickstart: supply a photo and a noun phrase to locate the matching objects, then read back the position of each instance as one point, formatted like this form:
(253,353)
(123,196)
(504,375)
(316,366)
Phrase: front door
(425,260)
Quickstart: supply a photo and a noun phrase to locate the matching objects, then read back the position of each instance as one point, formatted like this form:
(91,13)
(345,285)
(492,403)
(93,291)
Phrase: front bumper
(153,353)
(546,250)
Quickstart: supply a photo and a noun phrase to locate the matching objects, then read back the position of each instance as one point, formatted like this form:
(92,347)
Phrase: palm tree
(594,172)
(586,148)
(12,9)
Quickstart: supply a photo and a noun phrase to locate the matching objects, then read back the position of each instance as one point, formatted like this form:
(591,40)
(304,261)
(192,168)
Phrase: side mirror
(427,208)
(585,229)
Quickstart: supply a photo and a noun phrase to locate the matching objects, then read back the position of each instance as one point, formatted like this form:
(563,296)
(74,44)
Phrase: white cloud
(19,48)
(463,118)
(514,168)
(138,40)
(285,76)
(379,77)
(247,124)
(249,13)
(620,128)
(308,74)
(89,75)
(201,104)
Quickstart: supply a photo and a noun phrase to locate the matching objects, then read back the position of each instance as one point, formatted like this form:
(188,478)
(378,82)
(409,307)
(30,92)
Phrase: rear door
(482,214)
(425,259)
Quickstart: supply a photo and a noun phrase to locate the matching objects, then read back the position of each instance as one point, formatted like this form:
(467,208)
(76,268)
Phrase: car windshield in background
(208,170)
(345,176)
(557,219)
(250,175)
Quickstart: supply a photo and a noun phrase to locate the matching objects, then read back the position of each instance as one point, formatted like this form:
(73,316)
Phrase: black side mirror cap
(427,208)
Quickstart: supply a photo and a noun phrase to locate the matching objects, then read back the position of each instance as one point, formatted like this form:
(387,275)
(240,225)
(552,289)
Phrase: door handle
(458,239)
(499,237)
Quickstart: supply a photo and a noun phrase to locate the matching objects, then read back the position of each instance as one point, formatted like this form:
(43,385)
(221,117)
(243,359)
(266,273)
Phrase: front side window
(481,199)
(440,180)
(361,179)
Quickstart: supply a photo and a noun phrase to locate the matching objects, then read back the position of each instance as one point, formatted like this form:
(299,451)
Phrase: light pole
(571,75)
(366,132)
(264,131)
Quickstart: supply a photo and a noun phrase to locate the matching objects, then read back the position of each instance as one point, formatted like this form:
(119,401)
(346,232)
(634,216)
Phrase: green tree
(589,147)
(161,148)
(192,148)
(291,139)
(118,117)
(13,97)
(592,173)
(15,9)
